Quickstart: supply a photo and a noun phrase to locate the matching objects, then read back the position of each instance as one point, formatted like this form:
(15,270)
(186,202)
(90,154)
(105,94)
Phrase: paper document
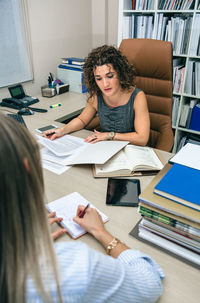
(69,150)
(46,154)
(66,207)
(97,153)
(188,155)
(54,167)
(63,146)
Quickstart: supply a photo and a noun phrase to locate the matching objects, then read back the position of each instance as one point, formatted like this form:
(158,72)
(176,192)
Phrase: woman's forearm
(112,245)
(133,138)
(74,125)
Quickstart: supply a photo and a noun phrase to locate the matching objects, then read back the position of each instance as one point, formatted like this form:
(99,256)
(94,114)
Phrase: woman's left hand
(52,219)
(97,136)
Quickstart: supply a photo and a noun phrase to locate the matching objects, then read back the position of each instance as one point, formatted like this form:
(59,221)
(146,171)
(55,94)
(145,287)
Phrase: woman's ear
(26,165)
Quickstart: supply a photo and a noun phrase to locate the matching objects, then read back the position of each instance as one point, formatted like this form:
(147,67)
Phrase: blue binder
(181,184)
(195,120)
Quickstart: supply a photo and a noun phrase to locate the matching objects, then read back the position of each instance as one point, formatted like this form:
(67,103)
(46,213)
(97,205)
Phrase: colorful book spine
(168,221)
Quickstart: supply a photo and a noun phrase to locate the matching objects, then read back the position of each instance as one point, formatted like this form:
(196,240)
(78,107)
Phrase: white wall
(65,28)
(112,22)
(104,22)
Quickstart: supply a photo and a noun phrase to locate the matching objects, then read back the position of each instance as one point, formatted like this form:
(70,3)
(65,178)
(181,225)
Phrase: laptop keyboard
(18,118)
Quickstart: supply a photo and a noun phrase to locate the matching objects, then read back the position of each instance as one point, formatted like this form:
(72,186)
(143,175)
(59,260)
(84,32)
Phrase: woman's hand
(53,133)
(53,220)
(91,221)
(97,136)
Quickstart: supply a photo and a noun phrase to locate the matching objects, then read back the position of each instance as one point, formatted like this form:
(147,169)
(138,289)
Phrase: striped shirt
(88,276)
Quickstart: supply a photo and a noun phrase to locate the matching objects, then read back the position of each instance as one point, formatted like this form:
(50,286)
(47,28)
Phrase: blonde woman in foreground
(33,269)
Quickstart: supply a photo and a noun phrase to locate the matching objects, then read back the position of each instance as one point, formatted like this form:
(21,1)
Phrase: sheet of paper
(188,155)
(54,167)
(66,207)
(97,153)
(46,154)
(63,146)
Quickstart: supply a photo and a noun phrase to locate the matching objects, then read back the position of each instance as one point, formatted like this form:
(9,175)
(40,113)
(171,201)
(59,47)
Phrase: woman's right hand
(91,222)
(53,133)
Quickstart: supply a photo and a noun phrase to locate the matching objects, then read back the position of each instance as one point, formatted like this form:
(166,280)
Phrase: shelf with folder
(185,19)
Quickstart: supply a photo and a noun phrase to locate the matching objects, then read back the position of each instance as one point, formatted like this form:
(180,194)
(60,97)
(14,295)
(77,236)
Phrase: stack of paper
(70,150)
(56,153)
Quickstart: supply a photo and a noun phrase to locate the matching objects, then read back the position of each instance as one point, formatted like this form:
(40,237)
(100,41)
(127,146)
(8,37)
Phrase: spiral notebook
(66,207)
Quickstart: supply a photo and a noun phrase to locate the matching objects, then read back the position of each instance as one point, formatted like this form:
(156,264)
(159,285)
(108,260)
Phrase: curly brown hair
(107,55)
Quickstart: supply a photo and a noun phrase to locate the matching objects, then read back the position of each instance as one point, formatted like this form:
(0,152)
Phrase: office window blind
(15,64)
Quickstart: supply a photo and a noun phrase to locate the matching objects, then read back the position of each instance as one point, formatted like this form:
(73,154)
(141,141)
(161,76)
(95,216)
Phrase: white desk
(181,284)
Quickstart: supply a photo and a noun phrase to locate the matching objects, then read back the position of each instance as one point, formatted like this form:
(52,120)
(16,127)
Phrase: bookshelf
(179,22)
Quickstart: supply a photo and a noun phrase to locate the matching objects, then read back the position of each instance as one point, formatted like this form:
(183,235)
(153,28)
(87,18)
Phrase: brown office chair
(152,60)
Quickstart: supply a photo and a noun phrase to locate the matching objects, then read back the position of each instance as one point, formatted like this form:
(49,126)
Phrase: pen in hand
(82,213)
(50,134)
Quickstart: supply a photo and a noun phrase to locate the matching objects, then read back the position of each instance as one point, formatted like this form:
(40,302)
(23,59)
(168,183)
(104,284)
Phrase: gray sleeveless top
(119,119)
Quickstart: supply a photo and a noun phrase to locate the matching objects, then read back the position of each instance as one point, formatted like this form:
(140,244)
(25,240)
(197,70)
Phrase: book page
(63,146)
(142,157)
(117,162)
(66,207)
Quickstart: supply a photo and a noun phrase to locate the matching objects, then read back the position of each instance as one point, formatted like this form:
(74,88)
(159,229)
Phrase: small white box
(73,77)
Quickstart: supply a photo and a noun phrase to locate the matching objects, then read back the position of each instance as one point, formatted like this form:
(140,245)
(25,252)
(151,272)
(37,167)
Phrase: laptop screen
(17,91)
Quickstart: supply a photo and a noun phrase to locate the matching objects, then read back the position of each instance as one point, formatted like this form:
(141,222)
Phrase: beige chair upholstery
(152,60)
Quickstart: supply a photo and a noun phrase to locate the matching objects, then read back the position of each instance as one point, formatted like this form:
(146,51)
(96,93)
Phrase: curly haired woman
(121,107)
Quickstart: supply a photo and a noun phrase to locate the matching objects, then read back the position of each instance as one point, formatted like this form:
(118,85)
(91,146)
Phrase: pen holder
(48,91)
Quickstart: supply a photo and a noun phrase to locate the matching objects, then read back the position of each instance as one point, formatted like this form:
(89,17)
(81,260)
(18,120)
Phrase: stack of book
(170,206)
(70,71)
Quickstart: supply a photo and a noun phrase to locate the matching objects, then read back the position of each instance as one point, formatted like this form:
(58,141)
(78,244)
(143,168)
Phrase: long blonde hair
(25,239)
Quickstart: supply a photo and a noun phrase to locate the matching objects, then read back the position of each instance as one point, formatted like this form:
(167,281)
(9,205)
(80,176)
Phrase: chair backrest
(152,60)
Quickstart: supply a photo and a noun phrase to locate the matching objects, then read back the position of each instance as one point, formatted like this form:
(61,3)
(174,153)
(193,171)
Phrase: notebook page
(66,207)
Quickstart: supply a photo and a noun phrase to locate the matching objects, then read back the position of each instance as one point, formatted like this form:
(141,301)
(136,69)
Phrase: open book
(128,161)
(66,207)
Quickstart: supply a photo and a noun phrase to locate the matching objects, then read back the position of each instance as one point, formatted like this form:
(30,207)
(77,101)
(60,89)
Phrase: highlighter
(55,105)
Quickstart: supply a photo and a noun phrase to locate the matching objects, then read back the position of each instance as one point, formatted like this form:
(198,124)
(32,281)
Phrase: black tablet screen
(123,192)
